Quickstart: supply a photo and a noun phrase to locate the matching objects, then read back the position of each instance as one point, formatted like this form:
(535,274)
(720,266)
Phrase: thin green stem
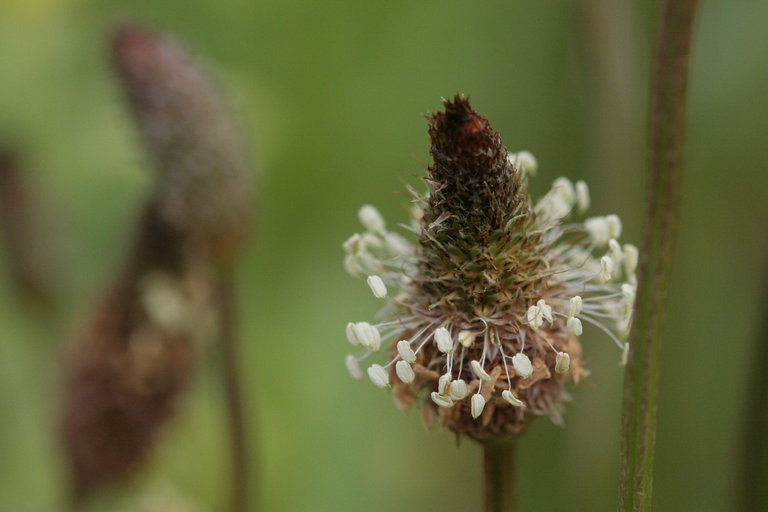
(667,131)
(500,491)
(754,495)
(233,394)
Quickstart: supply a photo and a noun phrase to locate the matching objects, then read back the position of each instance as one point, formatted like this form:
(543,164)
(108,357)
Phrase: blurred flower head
(487,298)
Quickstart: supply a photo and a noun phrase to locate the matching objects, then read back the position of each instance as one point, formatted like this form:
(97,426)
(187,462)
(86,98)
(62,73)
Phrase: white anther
(598,229)
(631,255)
(574,326)
(606,268)
(509,397)
(574,306)
(628,292)
(353,367)
(477,404)
(443,340)
(444,384)
(546,310)
(378,287)
(353,244)
(562,362)
(564,190)
(371,219)
(522,365)
(406,352)
(367,335)
(535,318)
(378,376)
(614,225)
(397,244)
(442,401)
(479,371)
(582,196)
(624,355)
(458,390)
(466,338)
(615,249)
(351,336)
(527,163)
(404,372)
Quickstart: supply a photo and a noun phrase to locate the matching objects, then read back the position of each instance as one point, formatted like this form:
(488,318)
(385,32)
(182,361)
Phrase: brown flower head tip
(484,309)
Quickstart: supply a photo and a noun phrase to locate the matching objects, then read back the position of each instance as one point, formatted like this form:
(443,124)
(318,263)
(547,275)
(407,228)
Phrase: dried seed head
(134,359)
(188,131)
(489,291)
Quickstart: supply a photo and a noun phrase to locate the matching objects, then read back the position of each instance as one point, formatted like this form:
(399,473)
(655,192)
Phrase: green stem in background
(754,493)
(500,493)
(233,393)
(667,129)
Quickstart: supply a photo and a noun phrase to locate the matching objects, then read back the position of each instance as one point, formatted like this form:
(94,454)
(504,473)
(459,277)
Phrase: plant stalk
(233,394)
(754,495)
(500,492)
(667,133)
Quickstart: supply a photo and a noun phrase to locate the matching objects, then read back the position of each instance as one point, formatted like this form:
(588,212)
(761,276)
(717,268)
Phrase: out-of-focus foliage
(332,96)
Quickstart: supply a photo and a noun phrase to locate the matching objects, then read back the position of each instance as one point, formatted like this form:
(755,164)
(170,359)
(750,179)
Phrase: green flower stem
(233,394)
(754,494)
(500,492)
(667,130)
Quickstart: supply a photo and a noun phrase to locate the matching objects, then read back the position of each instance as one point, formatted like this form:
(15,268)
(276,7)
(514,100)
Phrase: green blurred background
(332,95)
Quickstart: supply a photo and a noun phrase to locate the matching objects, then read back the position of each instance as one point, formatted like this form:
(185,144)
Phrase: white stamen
(444,384)
(582,196)
(606,268)
(574,326)
(575,306)
(615,249)
(614,225)
(406,352)
(353,367)
(562,362)
(397,244)
(535,318)
(527,163)
(466,338)
(628,292)
(378,376)
(458,389)
(477,404)
(624,355)
(479,371)
(371,219)
(443,340)
(546,311)
(631,256)
(442,401)
(351,336)
(378,287)
(512,399)
(598,230)
(367,335)
(353,244)
(522,365)
(404,372)
(564,189)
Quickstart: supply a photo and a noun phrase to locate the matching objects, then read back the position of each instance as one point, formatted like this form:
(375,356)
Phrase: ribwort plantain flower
(484,309)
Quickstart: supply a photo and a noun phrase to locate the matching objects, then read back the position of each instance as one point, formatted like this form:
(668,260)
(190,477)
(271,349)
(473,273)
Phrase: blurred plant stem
(667,133)
(754,494)
(233,393)
(30,248)
(500,491)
